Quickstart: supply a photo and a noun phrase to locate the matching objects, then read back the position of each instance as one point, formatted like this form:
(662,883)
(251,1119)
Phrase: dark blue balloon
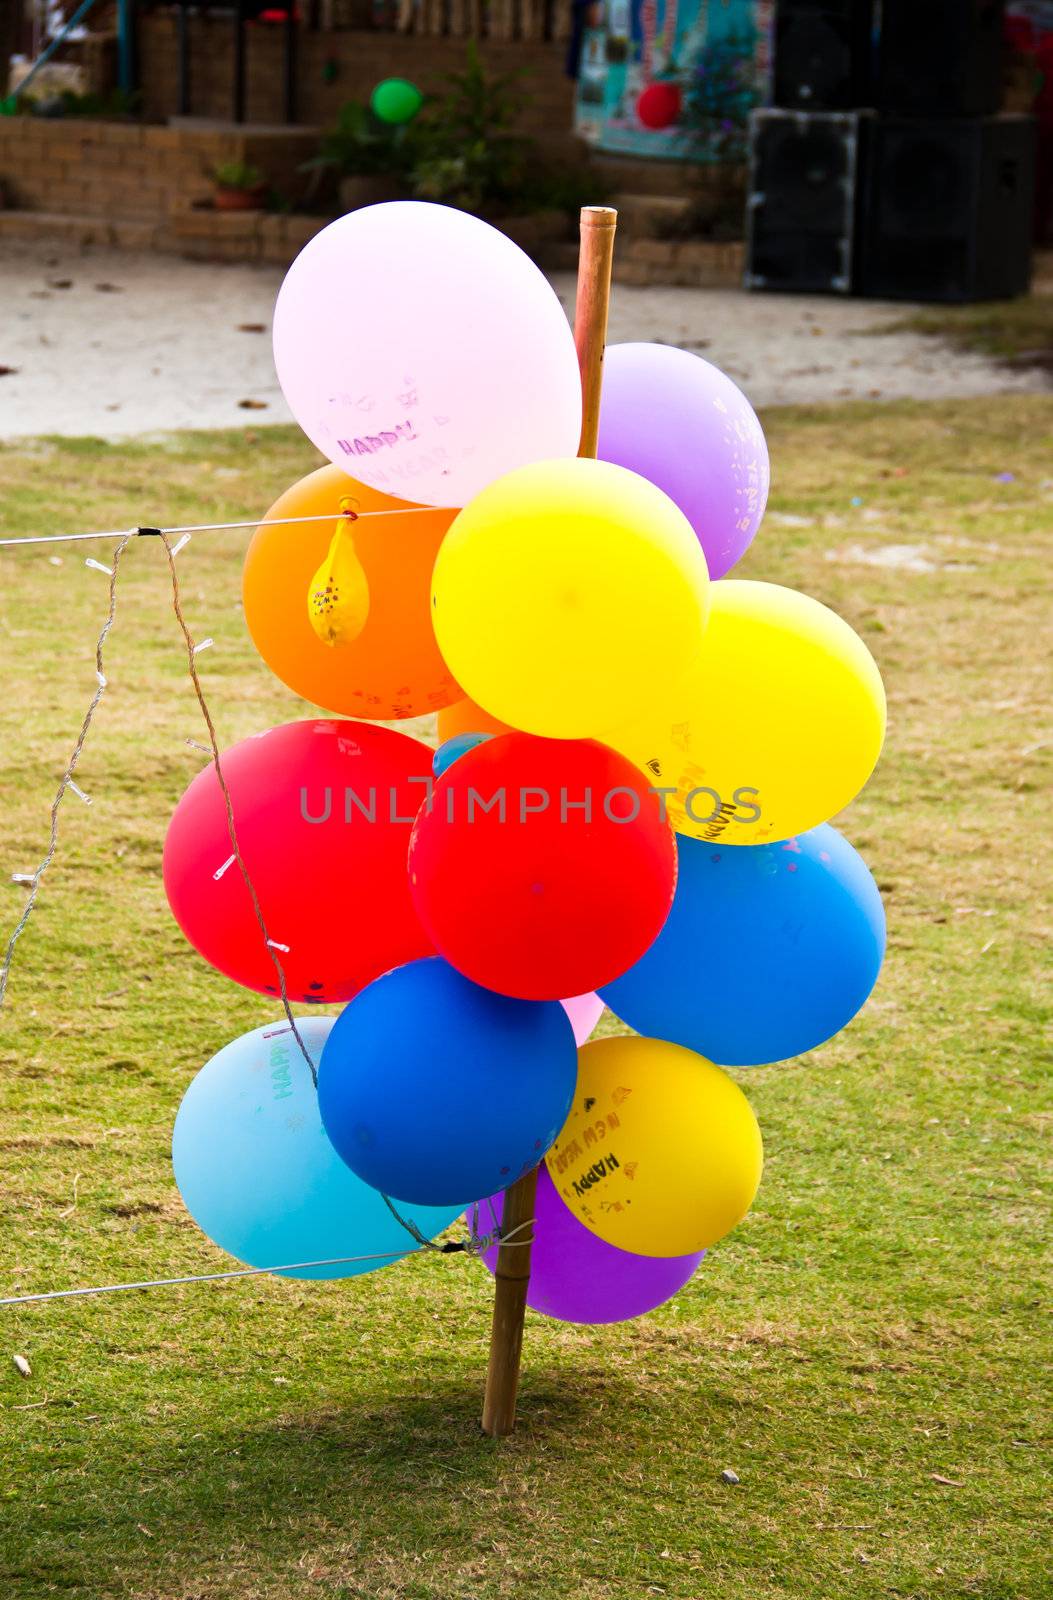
(768,951)
(429,1085)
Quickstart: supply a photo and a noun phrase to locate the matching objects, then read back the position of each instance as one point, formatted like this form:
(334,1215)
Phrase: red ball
(521,888)
(322,812)
(659,105)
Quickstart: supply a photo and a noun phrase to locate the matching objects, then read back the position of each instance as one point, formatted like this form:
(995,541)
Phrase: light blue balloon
(768,950)
(258,1174)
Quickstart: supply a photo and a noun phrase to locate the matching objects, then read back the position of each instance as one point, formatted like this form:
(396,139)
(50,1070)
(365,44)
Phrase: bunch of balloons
(628,806)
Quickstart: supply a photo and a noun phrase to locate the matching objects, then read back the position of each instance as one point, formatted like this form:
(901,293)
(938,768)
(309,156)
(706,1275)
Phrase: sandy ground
(114,344)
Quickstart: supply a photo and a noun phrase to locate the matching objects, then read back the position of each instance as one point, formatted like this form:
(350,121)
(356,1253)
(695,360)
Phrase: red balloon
(525,891)
(659,105)
(322,812)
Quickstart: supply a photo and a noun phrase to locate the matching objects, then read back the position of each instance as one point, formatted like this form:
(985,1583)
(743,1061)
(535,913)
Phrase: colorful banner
(674,79)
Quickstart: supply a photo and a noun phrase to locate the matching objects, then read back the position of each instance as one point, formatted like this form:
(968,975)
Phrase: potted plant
(239,186)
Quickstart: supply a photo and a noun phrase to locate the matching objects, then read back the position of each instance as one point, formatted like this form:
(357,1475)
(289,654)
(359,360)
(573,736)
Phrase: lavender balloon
(575,1276)
(677,420)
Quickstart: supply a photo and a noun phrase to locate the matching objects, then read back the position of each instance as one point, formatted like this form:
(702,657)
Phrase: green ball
(396,101)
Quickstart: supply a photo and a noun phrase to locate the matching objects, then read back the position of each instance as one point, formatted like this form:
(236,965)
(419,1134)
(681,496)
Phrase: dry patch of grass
(1018,332)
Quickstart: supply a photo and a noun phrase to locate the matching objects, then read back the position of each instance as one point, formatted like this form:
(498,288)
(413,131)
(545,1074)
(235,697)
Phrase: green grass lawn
(868,1351)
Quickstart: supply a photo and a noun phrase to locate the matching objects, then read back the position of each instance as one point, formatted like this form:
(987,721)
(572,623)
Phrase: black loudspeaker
(800,215)
(948,209)
(821,54)
(940,58)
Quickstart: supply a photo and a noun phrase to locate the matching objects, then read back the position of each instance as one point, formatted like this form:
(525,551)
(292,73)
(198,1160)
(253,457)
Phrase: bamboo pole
(511,1281)
(512,1278)
(590,314)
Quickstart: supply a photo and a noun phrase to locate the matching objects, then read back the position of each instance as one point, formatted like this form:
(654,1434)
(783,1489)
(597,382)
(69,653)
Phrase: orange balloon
(466,717)
(393,668)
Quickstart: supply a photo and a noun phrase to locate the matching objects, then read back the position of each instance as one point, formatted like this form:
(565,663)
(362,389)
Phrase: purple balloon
(677,420)
(579,1278)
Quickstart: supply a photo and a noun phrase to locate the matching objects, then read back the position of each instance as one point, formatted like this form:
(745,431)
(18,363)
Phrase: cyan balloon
(435,1090)
(767,952)
(258,1174)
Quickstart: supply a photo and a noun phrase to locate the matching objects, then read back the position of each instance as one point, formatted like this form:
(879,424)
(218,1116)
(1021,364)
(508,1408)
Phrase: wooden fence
(531,21)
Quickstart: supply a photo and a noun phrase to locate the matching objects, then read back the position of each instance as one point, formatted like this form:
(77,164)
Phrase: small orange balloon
(392,668)
(466,717)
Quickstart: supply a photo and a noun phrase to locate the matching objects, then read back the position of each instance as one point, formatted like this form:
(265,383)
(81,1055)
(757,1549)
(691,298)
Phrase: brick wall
(356,61)
(148,186)
(72,166)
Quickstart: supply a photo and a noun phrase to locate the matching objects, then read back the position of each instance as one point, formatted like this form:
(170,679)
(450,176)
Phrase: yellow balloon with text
(661,1154)
(566,595)
(776,726)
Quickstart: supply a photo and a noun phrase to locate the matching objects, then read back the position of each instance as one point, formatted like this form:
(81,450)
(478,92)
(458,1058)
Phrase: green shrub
(360,145)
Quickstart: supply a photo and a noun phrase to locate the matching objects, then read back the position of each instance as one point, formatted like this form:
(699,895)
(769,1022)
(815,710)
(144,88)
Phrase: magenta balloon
(584,1011)
(577,1277)
(679,421)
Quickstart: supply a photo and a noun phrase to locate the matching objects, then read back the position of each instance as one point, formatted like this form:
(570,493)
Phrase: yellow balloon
(777,725)
(566,594)
(661,1154)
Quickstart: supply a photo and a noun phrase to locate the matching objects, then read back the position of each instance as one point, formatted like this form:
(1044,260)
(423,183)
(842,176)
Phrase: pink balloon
(425,353)
(584,1011)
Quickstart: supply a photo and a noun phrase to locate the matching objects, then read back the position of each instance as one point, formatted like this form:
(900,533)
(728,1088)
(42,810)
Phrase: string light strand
(272,946)
(66,781)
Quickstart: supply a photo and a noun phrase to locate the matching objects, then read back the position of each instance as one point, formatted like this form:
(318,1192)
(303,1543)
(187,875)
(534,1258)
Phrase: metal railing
(124,48)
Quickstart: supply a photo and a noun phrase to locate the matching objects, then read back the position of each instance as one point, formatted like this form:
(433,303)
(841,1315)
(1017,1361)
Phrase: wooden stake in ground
(513,1259)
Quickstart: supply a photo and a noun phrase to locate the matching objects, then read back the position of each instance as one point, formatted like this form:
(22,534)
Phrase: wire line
(207,527)
(203,1277)
(476,1245)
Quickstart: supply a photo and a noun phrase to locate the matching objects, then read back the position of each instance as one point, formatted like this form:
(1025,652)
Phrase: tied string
(269,944)
(476,1243)
(473,1246)
(415,1233)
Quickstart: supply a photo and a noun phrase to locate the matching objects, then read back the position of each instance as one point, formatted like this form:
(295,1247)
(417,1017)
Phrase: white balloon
(425,353)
